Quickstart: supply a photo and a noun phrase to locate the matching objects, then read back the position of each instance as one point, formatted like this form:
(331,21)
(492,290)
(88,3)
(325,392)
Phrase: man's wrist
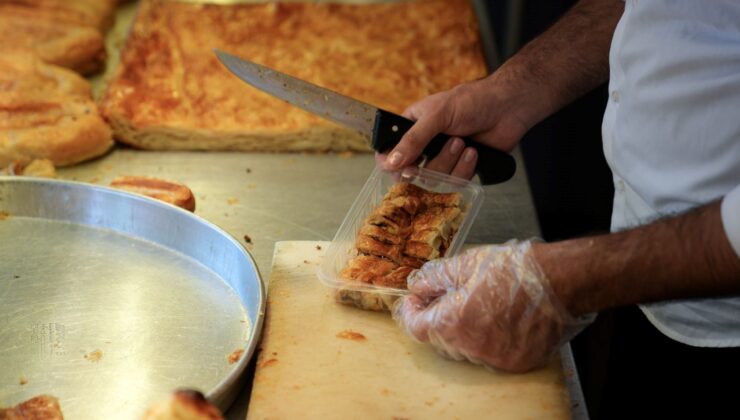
(559,262)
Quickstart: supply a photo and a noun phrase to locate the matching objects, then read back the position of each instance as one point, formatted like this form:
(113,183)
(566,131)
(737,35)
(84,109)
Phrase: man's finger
(410,313)
(465,166)
(380,159)
(448,157)
(413,142)
(433,279)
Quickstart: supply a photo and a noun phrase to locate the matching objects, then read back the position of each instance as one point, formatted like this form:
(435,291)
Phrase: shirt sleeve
(731,218)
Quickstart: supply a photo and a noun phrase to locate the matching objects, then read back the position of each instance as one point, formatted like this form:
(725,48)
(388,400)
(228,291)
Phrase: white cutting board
(305,370)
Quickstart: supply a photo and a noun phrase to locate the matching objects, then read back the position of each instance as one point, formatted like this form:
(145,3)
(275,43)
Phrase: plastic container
(342,248)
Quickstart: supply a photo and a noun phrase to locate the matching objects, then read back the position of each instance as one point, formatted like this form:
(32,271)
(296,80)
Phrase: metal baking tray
(109,300)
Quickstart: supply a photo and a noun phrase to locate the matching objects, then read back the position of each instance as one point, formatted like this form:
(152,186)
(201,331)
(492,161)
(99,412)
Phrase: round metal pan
(109,301)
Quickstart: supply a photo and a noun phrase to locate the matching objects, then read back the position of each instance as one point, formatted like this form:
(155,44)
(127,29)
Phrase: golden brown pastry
(368,268)
(46,112)
(167,191)
(42,168)
(42,407)
(76,47)
(94,13)
(409,227)
(184,404)
(170,91)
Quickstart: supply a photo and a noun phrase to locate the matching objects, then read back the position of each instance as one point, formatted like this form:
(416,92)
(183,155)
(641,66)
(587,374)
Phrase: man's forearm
(566,61)
(686,256)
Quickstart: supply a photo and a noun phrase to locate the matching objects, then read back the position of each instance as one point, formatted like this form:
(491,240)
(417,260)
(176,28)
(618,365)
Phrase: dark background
(570,181)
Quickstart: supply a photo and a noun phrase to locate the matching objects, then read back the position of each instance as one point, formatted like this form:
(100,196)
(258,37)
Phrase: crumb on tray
(235,356)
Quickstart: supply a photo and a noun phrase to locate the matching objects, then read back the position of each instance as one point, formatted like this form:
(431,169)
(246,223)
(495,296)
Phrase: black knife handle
(493,167)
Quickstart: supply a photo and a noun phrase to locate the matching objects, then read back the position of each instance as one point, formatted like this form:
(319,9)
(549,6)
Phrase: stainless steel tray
(109,301)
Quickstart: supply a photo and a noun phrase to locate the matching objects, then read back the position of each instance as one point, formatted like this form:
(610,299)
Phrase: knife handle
(493,167)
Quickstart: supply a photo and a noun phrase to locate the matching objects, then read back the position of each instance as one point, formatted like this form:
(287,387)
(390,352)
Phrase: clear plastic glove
(490,305)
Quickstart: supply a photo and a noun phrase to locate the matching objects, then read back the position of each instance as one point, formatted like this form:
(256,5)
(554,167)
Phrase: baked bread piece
(409,227)
(170,91)
(184,404)
(46,112)
(76,47)
(94,13)
(167,191)
(42,168)
(42,407)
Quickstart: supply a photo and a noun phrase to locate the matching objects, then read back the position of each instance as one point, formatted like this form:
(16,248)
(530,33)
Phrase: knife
(382,129)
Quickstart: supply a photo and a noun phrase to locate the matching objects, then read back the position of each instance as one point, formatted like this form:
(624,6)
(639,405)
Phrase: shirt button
(615,96)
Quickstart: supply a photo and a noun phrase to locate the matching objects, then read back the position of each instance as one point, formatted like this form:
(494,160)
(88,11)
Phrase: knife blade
(382,129)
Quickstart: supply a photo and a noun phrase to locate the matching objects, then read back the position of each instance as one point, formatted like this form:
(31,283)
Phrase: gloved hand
(491,305)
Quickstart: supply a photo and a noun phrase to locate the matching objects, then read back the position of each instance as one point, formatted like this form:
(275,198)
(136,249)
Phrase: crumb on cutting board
(247,239)
(4,215)
(351,335)
(94,356)
(23,380)
(269,362)
(318,247)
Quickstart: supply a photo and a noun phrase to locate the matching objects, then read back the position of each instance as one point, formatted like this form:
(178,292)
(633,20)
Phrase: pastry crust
(42,407)
(170,92)
(409,227)
(94,13)
(368,301)
(42,168)
(46,112)
(184,404)
(169,192)
(76,47)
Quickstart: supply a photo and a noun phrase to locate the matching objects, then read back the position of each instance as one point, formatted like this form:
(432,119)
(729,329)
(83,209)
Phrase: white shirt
(671,135)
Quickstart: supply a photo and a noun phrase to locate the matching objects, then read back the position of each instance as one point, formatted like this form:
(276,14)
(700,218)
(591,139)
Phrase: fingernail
(395,158)
(469,155)
(456,146)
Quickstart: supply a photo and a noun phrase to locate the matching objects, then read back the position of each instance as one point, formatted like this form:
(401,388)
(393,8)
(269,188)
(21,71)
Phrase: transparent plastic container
(342,248)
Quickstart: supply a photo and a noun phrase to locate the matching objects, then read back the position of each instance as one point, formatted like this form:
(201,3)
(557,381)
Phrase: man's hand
(491,305)
(511,306)
(481,109)
(548,73)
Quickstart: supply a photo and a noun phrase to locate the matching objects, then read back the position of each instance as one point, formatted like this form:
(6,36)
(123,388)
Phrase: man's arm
(511,306)
(686,256)
(564,62)
(567,60)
